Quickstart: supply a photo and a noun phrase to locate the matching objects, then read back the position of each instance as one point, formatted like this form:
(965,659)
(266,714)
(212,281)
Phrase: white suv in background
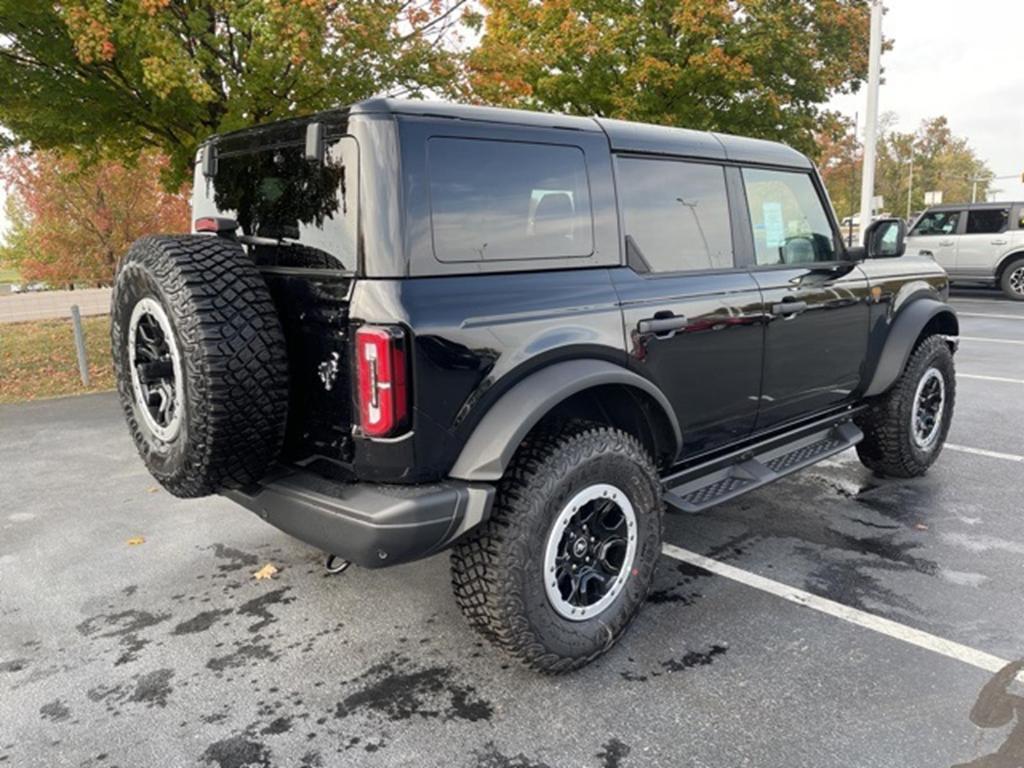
(978,242)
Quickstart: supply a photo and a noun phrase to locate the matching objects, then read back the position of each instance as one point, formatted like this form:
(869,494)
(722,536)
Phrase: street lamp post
(867,186)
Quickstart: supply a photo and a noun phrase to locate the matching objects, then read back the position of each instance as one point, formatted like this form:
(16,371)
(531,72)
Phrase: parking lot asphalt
(132,631)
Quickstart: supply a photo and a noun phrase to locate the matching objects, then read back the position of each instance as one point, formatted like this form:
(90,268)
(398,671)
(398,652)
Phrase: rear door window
(502,200)
(675,214)
(788,218)
(987,221)
(937,223)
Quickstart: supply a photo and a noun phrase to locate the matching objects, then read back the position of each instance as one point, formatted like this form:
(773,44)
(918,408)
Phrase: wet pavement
(166,651)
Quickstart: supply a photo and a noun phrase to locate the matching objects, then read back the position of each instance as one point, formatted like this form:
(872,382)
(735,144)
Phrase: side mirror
(885,239)
(210,161)
(315,143)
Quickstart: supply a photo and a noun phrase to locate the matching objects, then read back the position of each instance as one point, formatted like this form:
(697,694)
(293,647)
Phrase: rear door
(692,317)
(815,303)
(936,232)
(985,239)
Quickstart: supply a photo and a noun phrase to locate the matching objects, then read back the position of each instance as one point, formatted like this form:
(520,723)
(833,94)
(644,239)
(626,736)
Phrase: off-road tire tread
(486,566)
(233,352)
(886,448)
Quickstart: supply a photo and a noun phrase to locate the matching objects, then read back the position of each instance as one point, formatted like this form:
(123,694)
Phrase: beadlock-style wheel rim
(1016,281)
(155,365)
(929,402)
(590,552)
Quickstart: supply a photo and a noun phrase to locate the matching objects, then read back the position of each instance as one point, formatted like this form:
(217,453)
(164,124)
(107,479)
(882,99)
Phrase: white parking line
(995,317)
(989,302)
(925,640)
(980,377)
(983,452)
(994,341)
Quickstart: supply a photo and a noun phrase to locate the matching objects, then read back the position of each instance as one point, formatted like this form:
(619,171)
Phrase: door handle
(662,326)
(789,307)
(1000,242)
(947,242)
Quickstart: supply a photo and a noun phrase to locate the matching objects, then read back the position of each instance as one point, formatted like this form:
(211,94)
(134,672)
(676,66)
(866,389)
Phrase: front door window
(789,222)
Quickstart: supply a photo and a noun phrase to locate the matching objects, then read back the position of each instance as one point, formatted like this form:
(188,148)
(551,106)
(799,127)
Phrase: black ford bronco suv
(404,327)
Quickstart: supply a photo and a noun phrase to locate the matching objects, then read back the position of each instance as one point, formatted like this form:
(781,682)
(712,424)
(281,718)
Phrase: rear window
(294,211)
(502,200)
(987,221)
(676,214)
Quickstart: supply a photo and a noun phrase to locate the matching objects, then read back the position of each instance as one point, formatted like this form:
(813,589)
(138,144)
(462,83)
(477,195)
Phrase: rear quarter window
(493,200)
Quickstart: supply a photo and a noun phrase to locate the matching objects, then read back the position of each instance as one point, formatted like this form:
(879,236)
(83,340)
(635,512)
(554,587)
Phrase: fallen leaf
(134,541)
(921,527)
(266,572)
(153,489)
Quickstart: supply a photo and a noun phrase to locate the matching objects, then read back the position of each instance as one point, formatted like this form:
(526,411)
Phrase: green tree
(755,67)
(942,161)
(128,75)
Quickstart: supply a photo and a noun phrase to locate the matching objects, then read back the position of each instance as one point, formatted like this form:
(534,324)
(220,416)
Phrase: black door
(815,303)
(693,319)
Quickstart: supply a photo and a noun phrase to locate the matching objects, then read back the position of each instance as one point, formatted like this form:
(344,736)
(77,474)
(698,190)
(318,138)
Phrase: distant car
(979,242)
(28,287)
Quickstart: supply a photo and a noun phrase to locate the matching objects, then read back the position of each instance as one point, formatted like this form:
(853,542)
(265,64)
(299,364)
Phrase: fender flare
(1005,262)
(498,434)
(903,334)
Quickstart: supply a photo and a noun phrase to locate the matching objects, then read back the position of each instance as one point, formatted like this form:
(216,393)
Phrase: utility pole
(853,178)
(867,185)
(910,181)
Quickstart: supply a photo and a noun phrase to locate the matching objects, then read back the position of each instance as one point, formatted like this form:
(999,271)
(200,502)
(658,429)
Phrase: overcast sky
(962,60)
(954,58)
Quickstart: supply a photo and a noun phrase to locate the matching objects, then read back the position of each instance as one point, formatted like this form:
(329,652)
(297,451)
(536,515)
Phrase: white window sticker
(774,226)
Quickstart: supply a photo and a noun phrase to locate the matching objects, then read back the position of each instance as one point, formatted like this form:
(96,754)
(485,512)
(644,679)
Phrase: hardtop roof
(973,206)
(623,136)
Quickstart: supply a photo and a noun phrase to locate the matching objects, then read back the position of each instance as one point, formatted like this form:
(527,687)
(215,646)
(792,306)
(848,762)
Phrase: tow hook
(335,564)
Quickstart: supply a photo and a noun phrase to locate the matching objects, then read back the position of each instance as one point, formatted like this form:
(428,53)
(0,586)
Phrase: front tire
(1012,280)
(566,560)
(905,428)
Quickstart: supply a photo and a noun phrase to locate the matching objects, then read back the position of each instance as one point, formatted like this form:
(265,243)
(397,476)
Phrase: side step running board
(697,489)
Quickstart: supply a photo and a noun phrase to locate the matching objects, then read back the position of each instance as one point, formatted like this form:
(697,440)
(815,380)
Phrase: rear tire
(200,361)
(1012,280)
(905,428)
(563,565)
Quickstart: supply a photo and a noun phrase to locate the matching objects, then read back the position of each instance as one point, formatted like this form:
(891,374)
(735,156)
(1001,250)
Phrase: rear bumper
(373,525)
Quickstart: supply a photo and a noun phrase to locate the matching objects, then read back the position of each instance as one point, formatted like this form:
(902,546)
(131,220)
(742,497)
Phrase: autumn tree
(755,67)
(942,161)
(69,222)
(130,75)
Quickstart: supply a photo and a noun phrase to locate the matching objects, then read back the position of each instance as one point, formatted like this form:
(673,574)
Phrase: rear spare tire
(200,362)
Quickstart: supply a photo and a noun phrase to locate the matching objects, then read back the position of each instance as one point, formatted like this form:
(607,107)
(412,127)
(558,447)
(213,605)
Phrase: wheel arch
(919,319)
(594,389)
(1006,261)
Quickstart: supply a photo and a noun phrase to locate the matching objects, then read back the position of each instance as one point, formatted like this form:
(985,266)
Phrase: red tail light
(216,224)
(381,375)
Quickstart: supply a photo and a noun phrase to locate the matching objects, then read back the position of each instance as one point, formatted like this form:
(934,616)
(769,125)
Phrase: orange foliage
(71,222)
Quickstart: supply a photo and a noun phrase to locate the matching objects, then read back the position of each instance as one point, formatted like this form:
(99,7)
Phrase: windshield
(291,211)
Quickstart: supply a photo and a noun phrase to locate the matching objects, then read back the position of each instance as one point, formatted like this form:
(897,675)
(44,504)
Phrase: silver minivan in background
(976,242)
